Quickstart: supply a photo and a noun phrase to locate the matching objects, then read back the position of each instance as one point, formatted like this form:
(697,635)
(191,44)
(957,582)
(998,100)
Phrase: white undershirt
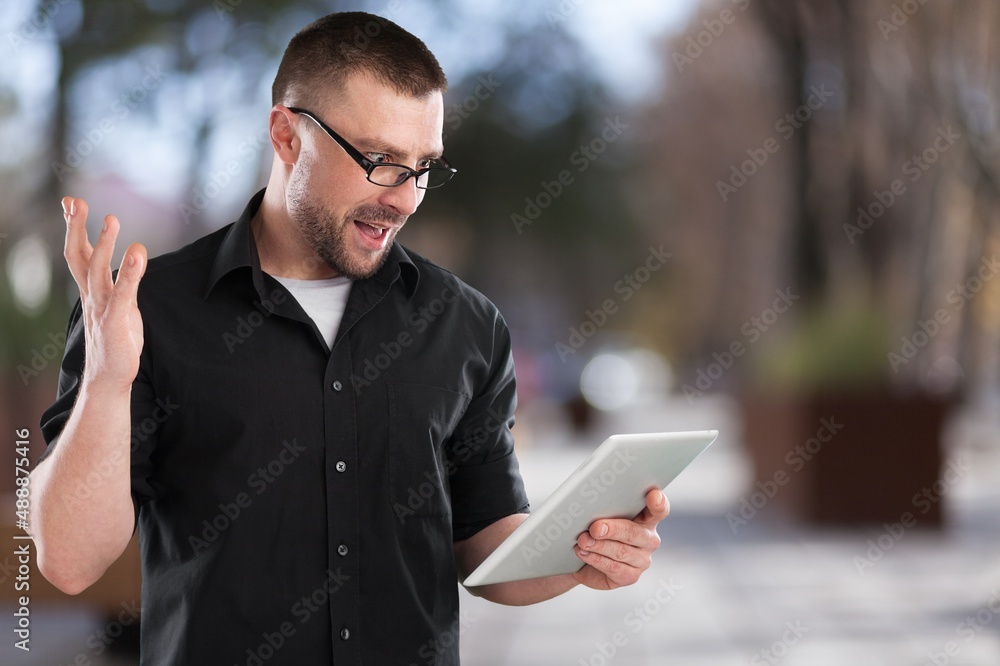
(323,300)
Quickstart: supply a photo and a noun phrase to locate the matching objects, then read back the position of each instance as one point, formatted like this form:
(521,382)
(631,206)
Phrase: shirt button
(336,386)
(341,465)
(342,550)
(345,634)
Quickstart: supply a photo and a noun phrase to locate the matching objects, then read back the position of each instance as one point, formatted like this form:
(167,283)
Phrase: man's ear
(284,134)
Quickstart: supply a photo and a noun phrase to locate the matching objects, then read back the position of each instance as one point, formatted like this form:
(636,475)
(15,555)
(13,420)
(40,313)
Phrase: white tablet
(611,483)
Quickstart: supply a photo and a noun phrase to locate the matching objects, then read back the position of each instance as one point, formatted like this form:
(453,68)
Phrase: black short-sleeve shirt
(298,504)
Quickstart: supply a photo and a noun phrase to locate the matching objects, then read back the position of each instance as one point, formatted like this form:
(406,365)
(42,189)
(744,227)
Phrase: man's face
(347,221)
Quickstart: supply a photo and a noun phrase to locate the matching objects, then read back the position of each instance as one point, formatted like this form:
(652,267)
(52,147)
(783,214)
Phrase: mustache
(376,213)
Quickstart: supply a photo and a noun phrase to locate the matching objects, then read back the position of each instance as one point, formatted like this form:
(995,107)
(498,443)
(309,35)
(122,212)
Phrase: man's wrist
(104,388)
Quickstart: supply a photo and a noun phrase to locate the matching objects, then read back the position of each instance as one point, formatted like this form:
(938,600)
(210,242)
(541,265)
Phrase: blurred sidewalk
(770,593)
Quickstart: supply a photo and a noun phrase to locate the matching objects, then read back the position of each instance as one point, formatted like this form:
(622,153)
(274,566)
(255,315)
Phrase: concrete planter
(848,458)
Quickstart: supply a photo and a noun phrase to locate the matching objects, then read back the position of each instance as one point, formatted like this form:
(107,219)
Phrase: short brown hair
(321,57)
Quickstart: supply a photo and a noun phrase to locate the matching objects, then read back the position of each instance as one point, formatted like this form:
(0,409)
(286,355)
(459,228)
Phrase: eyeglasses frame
(370,166)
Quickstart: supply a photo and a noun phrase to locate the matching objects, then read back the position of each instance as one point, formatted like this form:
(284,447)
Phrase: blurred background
(777,218)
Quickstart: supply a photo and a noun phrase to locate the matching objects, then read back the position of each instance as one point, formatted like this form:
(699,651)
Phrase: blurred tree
(551,231)
(511,147)
(843,154)
(875,202)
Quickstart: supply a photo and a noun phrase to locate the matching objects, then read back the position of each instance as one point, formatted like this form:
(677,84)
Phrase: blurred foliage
(656,185)
(828,350)
(541,105)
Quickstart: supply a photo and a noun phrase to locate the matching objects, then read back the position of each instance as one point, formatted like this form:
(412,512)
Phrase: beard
(328,236)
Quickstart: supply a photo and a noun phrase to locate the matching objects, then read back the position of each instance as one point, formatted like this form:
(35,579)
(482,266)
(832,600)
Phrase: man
(309,424)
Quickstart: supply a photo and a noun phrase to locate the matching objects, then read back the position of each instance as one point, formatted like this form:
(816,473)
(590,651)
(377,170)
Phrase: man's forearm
(470,553)
(82,516)
(525,592)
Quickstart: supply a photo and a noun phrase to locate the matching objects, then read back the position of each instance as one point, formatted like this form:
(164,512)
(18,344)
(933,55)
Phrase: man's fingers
(78,249)
(657,508)
(617,572)
(99,274)
(638,531)
(634,556)
(91,265)
(619,531)
(131,271)
(620,550)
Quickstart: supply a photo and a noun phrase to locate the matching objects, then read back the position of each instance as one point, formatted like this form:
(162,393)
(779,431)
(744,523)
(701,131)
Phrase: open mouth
(370,230)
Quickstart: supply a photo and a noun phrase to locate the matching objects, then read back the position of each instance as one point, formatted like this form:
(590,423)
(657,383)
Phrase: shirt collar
(239,250)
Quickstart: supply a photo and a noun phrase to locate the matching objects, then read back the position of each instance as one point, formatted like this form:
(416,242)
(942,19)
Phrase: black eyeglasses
(387,174)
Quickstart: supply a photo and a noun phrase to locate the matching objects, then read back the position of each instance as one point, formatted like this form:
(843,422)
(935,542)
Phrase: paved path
(773,593)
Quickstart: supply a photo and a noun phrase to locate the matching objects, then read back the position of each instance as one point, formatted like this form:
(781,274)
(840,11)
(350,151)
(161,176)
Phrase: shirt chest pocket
(421,420)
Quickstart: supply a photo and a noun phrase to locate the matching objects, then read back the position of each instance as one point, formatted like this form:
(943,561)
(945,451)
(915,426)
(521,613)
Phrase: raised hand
(111,316)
